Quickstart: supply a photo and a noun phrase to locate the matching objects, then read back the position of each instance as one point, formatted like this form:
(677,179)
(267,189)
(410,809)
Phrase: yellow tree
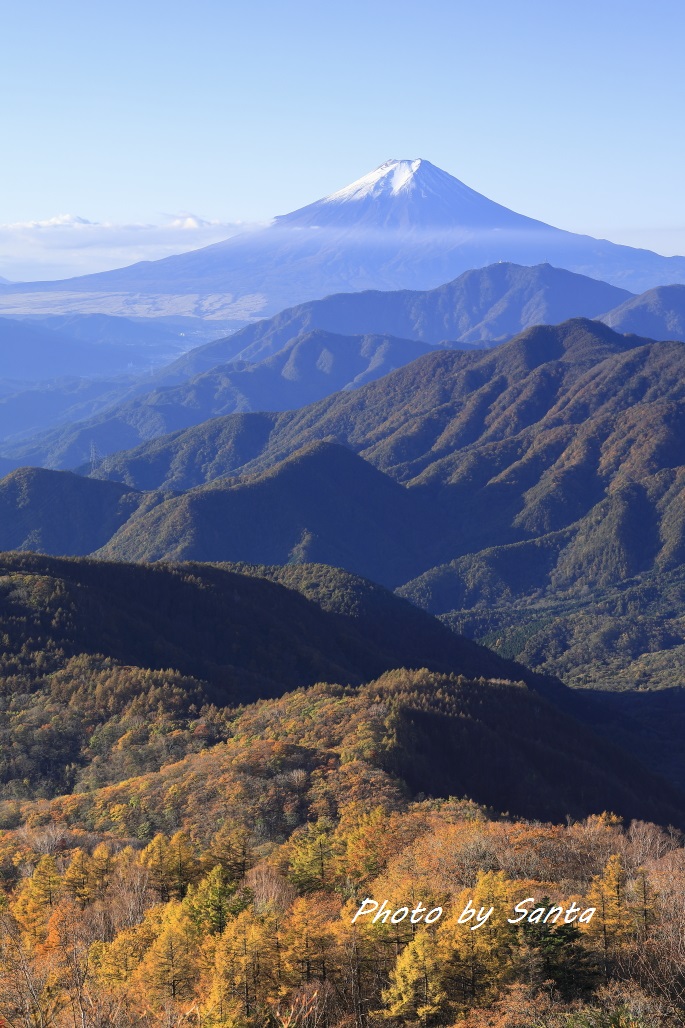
(100,867)
(213,901)
(28,995)
(309,939)
(79,881)
(184,866)
(362,843)
(417,990)
(310,856)
(115,962)
(35,901)
(479,956)
(613,922)
(157,858)
(169,968)
(244,972)
(232,850)
(69,946)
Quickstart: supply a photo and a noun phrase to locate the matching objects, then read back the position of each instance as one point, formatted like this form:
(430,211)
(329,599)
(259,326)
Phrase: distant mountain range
(298,357)
(92,346)
(406,225)
(311,366)
(31,352)
(564,443)
(485,305)
(531,494)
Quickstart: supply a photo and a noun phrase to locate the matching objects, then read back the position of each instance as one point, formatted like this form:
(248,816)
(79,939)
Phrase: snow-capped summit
(393,175)
(411,195)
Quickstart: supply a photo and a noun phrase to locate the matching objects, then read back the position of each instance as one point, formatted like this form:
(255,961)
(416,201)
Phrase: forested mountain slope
(58,512)
(559,453)
(324,504)
(547,471)
(658,313)
(496,743)
(89,644)
(310,366)
(439,406)
(213,912)
(484,305)
(308,352)
(565,444)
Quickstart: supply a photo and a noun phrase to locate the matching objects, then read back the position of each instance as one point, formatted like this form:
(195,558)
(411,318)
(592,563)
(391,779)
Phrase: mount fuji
(406,225)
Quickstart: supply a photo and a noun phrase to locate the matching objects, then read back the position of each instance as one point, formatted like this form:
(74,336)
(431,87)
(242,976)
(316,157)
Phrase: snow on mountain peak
(410,195)
(391,177)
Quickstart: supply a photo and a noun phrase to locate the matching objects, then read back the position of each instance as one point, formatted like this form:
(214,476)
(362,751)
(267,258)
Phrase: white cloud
(67,244)
(59,221)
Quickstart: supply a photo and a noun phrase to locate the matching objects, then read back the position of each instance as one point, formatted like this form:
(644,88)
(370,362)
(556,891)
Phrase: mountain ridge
(146,653)
(531,490)
(479,308)
(393,422)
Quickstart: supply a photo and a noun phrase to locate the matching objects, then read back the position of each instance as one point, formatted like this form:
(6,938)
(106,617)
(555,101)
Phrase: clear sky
(164,123)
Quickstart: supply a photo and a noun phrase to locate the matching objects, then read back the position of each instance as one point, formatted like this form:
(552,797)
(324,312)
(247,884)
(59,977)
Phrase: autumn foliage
(220,926)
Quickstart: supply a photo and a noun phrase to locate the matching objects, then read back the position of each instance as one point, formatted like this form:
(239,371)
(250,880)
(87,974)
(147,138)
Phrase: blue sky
(165,124)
